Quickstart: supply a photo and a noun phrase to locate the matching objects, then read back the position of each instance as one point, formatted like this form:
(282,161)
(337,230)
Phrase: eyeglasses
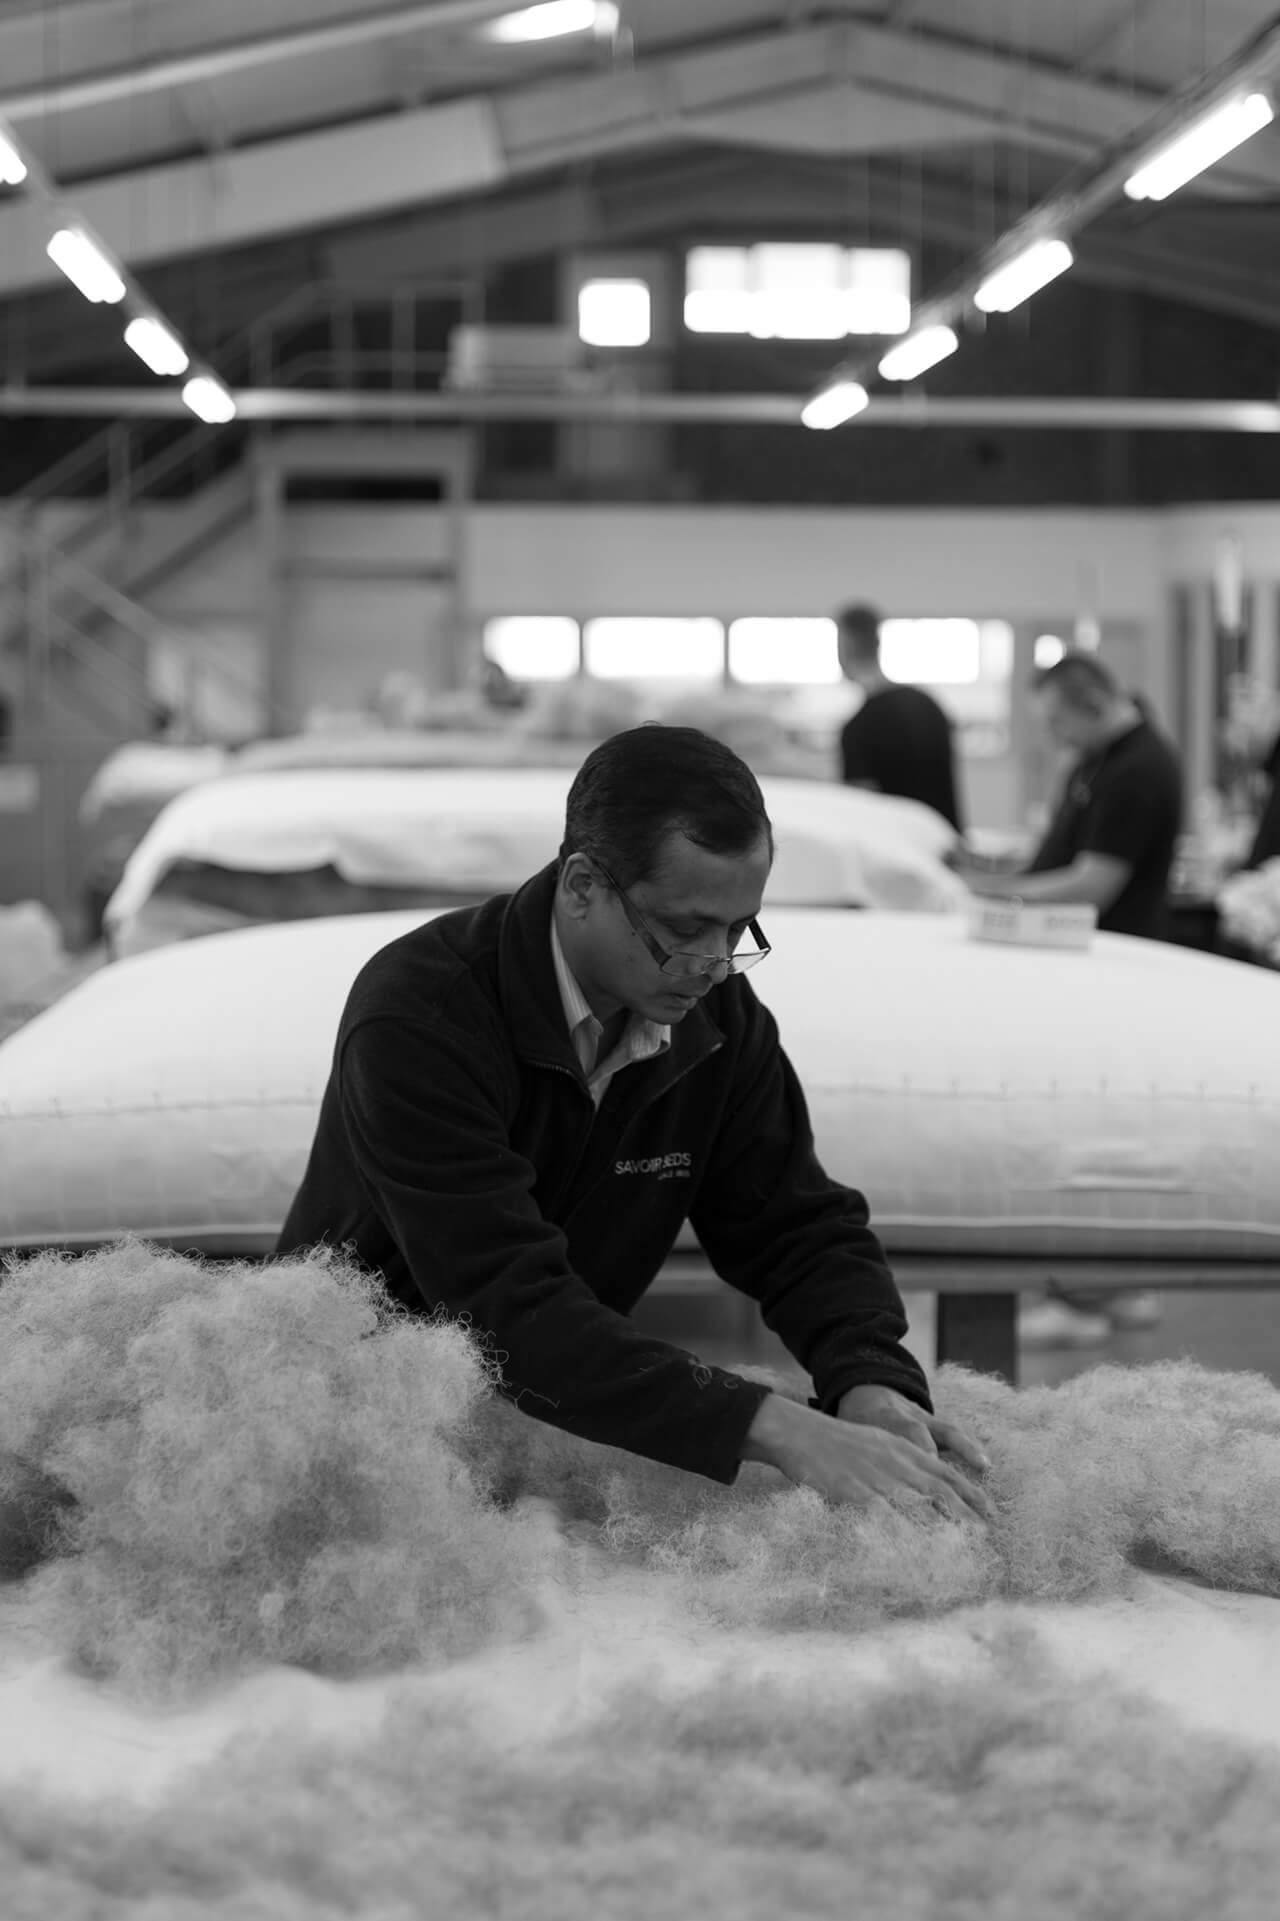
(681,960)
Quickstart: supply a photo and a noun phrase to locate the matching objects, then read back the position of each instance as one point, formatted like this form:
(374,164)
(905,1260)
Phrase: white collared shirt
(641,1039)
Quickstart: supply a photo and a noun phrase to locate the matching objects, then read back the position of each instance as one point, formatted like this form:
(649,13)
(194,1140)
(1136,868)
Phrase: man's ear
(575,885)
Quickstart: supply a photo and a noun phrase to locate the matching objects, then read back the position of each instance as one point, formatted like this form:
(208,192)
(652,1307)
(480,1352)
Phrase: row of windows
(774,291)
(757,650)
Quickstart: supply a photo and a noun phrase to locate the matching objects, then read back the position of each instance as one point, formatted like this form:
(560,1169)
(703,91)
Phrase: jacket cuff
(726,1458)
(889,1372)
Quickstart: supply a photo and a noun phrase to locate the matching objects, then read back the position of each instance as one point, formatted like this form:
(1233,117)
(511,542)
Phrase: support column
(1200,759)
(276,638)
(461,494)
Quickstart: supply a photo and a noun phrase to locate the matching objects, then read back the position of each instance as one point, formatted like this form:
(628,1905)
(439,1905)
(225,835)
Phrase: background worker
(900,741)
(1110,845)
(1111,838)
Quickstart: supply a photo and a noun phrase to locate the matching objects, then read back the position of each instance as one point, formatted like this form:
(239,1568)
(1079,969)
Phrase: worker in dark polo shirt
(1111,840)
(900,741)
(1110,845)
(529,1097)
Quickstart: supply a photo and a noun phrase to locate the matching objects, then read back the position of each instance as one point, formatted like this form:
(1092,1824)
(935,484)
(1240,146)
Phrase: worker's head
(858,640)
(667,848)
(1077,699)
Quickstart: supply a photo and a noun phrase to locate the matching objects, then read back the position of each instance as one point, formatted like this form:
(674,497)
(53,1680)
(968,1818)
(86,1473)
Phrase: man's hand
(884,1407)
(990,886)
(857,1462)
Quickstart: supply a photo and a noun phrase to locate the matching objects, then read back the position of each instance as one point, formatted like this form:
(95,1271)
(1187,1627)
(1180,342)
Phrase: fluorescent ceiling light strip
(834,404)
(86,266)
(1024,275)
(209,399)
(1199,145)
(918,352)
(13,168)
(156,345)
(547,21)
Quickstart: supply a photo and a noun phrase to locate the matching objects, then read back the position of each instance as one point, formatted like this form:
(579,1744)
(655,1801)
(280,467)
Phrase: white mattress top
(144,770)
(492,828)
(986,1099)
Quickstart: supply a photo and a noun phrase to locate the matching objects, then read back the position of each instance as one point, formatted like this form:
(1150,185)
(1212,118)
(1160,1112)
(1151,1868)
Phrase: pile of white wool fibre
(217,1466)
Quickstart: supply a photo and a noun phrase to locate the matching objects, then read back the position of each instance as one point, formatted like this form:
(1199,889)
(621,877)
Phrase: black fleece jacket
(459,1155)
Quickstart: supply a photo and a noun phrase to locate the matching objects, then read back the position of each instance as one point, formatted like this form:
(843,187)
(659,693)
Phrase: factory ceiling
(230,152)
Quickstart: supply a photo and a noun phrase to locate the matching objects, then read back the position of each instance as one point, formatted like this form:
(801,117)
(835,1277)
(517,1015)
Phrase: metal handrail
(170,460)
(286,374)
(126,613)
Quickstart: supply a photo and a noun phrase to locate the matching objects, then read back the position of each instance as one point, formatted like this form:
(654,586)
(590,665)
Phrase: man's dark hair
(640,786)
(858,631)
(1082,680)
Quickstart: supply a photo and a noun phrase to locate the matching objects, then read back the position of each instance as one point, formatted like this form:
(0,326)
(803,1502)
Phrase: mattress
(483,831)
(988,1100)
(148,773)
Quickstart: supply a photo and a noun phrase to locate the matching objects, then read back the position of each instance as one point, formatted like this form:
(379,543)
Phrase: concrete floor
(1229,1331)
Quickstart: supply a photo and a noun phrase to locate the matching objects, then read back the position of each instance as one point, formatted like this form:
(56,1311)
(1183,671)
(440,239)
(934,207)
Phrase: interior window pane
(879,295)
(614,313)
(937,653)
(780,651)
(625,647)
(717,294)
(800,292)
(533,646)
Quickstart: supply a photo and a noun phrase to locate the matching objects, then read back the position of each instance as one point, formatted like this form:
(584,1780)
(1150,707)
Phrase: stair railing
(50,625)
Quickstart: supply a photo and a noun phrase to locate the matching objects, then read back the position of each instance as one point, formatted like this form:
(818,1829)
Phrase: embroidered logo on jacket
(667,1167)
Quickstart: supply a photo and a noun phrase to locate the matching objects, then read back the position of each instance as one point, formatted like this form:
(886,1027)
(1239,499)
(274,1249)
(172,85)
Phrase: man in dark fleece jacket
(529,1097)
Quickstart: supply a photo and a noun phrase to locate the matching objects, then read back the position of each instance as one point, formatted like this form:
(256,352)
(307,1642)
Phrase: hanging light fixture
(207,397)
(13,168)
(918,352)
(1199,146)
(1022,276)
(86,266)
(837,402)
(155,345)
(551,19)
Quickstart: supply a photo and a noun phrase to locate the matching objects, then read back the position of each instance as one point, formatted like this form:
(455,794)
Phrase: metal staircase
(77,636)
(320,336)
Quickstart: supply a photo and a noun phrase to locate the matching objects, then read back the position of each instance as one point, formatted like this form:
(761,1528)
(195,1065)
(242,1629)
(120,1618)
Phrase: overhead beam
(222,59)
(277,187)
(1031,101)
(916,413)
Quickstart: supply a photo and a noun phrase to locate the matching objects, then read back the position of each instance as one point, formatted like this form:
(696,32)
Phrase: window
(790,291)
(939,653)
(614,313)
(801,293)
(995,640)
(654,648)
(879,290)
(765,650)
(718,293)
(533,646)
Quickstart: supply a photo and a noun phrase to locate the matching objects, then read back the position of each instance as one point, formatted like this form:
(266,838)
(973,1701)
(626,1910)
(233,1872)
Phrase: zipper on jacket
(557,1067)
